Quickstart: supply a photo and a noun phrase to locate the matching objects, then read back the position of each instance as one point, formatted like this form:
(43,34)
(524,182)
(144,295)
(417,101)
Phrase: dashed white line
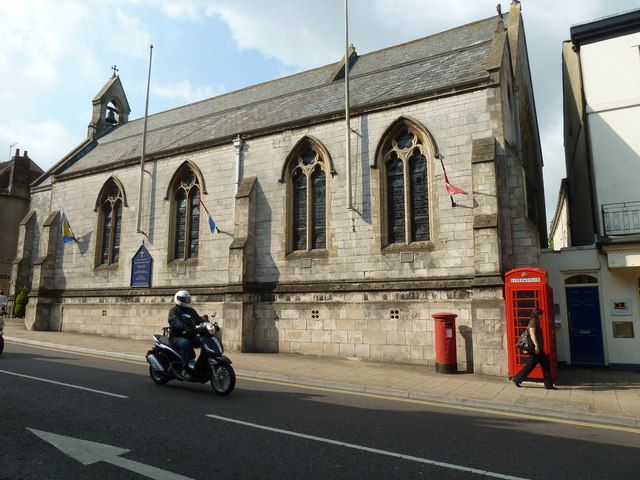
(101,392)
(388,453)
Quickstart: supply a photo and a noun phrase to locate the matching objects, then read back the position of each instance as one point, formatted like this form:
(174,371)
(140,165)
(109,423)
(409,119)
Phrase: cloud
(185,92)
(47,141)
(53,53)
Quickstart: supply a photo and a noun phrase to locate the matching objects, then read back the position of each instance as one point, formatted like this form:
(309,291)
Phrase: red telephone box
(526,289)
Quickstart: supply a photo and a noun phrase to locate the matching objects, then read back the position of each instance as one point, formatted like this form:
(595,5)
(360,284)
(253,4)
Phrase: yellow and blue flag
(212,224)
(67,233)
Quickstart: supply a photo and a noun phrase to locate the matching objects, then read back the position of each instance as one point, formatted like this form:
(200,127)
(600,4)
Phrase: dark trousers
(184,346)
(532,361)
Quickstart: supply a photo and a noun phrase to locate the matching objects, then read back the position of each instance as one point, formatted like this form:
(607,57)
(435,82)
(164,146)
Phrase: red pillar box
(445,338)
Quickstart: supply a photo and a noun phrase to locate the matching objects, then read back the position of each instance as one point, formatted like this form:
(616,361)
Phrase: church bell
(111,116)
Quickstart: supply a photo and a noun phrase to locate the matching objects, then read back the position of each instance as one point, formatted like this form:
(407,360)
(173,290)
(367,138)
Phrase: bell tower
(110,107)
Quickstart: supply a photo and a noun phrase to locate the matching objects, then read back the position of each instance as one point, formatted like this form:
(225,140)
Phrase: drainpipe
(238,143)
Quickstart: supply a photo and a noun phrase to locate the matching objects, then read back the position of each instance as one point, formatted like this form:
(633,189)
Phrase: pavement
(596,396)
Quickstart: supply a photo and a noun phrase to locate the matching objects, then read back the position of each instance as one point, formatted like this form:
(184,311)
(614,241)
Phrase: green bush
(20,303)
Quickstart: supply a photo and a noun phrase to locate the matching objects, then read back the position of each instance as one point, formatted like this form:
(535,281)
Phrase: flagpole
(207,210)
(205,207)
(446,179)
(346,105)
(144,144)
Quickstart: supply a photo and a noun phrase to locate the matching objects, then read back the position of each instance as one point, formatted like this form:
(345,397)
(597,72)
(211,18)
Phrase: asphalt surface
(274,431)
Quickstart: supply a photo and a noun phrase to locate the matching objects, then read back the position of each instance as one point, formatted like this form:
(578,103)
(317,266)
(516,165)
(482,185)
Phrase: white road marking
(87,453)
(64,384)
(371,450)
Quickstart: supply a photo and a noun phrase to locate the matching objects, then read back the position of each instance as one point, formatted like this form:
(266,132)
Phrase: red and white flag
(451,189)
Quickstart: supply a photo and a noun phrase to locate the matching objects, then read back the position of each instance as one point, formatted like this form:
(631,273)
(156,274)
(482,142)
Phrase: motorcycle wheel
(1,344)
(157,377)
(225,381)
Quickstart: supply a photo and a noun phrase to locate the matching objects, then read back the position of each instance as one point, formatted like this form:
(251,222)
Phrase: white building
(596,276)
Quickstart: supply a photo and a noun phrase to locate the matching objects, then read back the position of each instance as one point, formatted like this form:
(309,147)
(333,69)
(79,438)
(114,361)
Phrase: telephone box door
(526,289)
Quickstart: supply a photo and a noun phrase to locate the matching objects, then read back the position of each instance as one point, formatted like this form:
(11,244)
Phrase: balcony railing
(621,218)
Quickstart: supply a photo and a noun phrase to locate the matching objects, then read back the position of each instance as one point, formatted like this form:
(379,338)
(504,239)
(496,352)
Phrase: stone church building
(291,268)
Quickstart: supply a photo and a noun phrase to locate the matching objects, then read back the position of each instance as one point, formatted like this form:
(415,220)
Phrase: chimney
(19,178)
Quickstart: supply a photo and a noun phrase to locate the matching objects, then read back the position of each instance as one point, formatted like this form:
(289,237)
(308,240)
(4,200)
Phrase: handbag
(525,343)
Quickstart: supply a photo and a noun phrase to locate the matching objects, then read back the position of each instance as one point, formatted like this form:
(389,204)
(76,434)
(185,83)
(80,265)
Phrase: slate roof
(429,64)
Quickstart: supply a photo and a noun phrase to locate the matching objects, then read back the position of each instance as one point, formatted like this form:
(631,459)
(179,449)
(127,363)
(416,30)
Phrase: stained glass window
(111,224)
(106,232)
(407,188)
(319,210)
(419,198)
(299,210)
(308,200)
(194,229)
(186,214)
(117,227)
(395,200)
(405,139)
(181,223)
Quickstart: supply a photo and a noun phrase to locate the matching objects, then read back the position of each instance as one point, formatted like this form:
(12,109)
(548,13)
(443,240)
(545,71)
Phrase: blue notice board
(141,265)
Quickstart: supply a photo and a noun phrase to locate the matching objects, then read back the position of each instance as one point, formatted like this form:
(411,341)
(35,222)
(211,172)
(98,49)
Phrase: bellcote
(110,108)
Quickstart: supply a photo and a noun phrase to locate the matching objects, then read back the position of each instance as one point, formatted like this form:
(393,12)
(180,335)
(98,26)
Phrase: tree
(20,303)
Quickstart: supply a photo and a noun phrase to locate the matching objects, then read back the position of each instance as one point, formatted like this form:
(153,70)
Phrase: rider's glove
(189,332)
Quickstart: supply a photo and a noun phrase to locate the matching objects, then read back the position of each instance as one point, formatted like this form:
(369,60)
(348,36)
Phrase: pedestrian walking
(3,303)
(538,355)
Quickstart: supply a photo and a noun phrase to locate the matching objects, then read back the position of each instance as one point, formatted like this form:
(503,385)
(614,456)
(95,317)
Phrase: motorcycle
(211,365)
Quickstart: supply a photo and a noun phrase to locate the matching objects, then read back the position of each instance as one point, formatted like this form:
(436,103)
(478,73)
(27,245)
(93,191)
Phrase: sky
(55,55)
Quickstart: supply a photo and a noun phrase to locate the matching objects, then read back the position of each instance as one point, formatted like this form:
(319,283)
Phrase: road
(268,430)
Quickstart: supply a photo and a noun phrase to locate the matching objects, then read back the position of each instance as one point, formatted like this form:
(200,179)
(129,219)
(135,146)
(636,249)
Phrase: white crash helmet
(182,298)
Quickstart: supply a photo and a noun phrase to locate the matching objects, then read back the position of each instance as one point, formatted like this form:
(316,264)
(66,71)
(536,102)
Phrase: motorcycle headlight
(210,328)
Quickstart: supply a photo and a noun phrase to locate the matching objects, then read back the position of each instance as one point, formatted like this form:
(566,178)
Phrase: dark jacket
(183,321)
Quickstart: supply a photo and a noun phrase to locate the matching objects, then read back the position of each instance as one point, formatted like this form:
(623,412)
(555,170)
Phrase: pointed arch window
(308,198)
(110,205)
(405,186)
(186,215)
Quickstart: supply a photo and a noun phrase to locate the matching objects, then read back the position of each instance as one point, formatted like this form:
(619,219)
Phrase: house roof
(435,63)
(606,27)
(5,171)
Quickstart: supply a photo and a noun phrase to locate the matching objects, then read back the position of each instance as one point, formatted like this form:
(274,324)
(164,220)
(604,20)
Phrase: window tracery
(110,224)
(308,199)
(186,215)
(405,187)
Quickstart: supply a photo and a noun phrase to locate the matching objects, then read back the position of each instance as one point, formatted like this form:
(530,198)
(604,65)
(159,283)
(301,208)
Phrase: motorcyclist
(183,321)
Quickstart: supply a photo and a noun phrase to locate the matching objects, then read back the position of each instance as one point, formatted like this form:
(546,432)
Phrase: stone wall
(359,300)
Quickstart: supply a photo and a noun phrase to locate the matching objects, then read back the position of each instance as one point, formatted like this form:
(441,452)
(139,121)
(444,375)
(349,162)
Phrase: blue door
(585,329)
